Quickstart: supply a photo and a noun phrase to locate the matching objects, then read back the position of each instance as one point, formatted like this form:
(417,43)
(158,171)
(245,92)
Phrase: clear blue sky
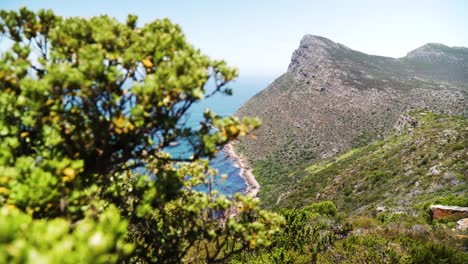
(259,37)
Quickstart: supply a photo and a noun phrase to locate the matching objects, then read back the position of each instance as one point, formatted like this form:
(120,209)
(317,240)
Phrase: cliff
(333,99)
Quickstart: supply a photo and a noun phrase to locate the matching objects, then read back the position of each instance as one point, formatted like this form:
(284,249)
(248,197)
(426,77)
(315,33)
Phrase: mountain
(333,99)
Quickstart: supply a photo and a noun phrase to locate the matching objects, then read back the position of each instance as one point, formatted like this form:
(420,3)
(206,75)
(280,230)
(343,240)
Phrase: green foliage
(378,248)
(87,109)
(307,232)
(363,139)
(313,235)
(327,208)
(360,249)
(434,253)
(452,200)
(98,239)
(449,200)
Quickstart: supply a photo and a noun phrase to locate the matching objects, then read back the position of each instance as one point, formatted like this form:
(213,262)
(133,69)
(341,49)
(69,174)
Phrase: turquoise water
(243,89)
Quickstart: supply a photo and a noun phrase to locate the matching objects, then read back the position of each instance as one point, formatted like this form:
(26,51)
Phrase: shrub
(327,208)
(88,107)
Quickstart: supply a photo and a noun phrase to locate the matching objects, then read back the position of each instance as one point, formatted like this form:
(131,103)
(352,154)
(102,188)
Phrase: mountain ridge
(333,98)
(455,59)
(307,39)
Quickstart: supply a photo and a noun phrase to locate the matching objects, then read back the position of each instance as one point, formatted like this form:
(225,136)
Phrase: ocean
(243,89)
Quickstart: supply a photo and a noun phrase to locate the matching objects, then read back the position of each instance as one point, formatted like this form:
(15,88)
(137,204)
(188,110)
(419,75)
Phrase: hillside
(422,160)
(333,99)
(382,194)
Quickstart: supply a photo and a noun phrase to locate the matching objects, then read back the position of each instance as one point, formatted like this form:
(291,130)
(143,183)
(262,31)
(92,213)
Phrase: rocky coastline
(245,171)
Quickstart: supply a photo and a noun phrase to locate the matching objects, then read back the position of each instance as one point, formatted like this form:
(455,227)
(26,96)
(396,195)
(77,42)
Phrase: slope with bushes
(424,159)
(371,204)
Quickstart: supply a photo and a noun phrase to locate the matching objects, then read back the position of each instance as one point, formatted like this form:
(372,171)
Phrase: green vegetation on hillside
(382,192)
(319,233)
(403,172)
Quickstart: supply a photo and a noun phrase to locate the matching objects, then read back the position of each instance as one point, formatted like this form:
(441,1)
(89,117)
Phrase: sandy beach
(252,185)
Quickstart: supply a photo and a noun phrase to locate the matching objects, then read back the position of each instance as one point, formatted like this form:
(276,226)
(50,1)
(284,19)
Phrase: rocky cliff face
(333,98)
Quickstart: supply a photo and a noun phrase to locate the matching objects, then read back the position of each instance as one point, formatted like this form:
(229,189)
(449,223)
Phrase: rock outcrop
(453,213)
(462,224)
(405,123)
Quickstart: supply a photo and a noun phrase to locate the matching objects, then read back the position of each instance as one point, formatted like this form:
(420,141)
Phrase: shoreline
(245,171)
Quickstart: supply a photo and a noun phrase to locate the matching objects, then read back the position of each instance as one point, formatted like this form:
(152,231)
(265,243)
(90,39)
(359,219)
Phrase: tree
(87,110)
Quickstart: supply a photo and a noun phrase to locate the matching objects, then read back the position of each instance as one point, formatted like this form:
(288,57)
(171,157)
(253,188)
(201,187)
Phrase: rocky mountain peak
(318,59)
(313,42)
(439,52)
(430,49)
(438,61)
(314,54)
(313,48)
